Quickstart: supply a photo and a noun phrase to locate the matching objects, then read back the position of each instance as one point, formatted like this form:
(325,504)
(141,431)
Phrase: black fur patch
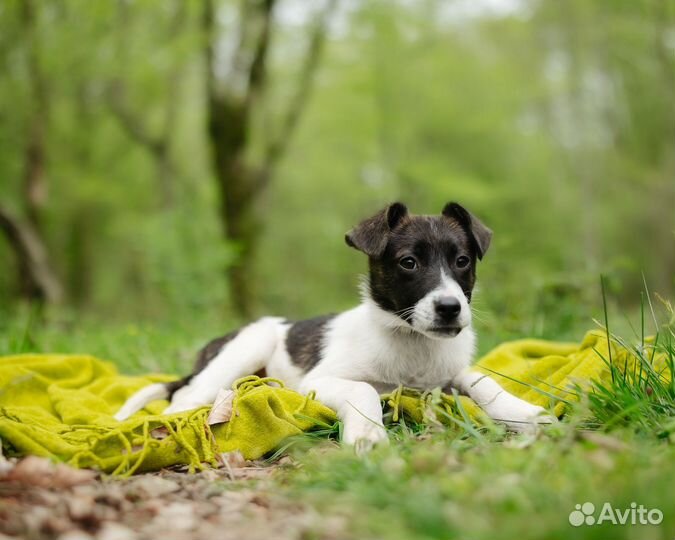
(435,243)
(211,350)
(305,341)
(204,357)
(407,253)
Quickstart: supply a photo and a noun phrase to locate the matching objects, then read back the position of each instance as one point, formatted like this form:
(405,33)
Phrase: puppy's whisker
(488,314)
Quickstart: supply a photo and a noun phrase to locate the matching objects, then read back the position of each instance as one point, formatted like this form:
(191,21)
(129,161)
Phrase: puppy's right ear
(372,234)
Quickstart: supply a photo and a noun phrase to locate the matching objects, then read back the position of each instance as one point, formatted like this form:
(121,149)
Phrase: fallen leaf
(601,458)
(114,531)
(80,508)
(134,449)
(75,535)
(604,441)
(522,440)
(232,460)
(41,472)
(222,407)
(181,516)
(155,486)
(160,433)
(56,525)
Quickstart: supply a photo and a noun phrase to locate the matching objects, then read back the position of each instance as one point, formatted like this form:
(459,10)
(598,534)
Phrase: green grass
(616,446)
(165,345)
(440,488)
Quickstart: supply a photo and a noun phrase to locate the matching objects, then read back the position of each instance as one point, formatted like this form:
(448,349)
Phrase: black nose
(448,307)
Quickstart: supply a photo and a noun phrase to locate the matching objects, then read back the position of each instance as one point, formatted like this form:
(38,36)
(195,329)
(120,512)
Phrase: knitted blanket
(62,406)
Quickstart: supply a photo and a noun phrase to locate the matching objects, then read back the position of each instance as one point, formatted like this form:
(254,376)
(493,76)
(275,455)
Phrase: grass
(642,397)
(616,446)
(438,488)
(164,345)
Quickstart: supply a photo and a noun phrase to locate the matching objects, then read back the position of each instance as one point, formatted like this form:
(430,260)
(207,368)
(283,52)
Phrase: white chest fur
(368,344)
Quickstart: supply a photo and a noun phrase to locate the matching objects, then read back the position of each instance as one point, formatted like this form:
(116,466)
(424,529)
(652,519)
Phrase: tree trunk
(228,134)
(37,281)
(241,183)
(37,278)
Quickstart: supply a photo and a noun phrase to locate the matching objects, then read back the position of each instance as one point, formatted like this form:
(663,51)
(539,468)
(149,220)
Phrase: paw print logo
(583,513)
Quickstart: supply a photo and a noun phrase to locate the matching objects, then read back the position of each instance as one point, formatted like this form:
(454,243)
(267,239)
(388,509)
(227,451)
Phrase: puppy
(413,327)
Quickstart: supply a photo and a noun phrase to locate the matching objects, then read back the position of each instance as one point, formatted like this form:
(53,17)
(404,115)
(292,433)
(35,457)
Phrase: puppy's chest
(417,370)
(409,363)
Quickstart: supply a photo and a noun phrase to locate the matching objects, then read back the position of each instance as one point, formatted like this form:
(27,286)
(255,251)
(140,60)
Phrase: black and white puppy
(413,327)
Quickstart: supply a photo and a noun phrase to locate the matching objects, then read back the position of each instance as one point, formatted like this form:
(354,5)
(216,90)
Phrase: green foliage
(641,398)
(554,123)
(434,488)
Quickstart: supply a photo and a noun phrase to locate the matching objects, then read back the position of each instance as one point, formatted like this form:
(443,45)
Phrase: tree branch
(38,280)
(116,91)
(661,25)
(159,143)
(258,69)
(276,148)
(135,129)
(209,30)
(35,155)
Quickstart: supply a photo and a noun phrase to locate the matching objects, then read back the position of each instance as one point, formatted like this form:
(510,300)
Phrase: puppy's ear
(372,234)
(480,234)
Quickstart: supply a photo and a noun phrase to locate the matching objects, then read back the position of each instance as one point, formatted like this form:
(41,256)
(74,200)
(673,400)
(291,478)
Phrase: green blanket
(61,406)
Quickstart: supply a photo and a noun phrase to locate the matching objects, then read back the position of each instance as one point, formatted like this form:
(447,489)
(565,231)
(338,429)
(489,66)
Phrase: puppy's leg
(247,353)
(140,399)
(357,405)
(500,405)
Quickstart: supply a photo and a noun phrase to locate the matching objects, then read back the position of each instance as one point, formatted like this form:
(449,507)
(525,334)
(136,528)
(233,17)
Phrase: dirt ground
(40,500)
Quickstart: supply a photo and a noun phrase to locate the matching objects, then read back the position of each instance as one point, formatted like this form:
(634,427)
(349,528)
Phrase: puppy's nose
(447,307)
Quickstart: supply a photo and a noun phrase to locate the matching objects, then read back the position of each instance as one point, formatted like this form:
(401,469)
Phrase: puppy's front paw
(530,420)
(519,415)
(364,435)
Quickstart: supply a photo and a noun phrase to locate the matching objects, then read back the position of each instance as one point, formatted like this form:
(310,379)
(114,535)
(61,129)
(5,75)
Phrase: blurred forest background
(200,161)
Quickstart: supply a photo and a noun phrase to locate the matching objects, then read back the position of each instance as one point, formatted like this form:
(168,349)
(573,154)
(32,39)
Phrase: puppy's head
(423,268)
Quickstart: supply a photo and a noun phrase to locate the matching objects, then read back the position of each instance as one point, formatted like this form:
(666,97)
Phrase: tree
(232,99)
(158,141)
(37,278)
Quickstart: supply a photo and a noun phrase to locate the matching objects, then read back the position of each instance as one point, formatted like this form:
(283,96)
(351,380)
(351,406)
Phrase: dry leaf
(181,516)
(232,460)
(41,472)
(79,507)
(115,531)
(75,535)
(155,486)
(222,407)
(160,433)
(601,458)
(134,449)
(604,441)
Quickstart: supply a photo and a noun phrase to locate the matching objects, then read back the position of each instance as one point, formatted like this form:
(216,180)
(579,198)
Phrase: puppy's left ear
(479,232)
(372,234)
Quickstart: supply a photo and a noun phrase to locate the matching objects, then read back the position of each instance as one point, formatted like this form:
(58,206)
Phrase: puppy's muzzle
(447,309)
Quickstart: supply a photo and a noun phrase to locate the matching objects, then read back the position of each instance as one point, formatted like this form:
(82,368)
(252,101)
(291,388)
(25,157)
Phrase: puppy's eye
(408,263)
(462,261)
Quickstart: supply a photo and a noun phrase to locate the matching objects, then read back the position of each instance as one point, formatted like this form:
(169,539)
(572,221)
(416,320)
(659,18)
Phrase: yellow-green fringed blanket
(61,406)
